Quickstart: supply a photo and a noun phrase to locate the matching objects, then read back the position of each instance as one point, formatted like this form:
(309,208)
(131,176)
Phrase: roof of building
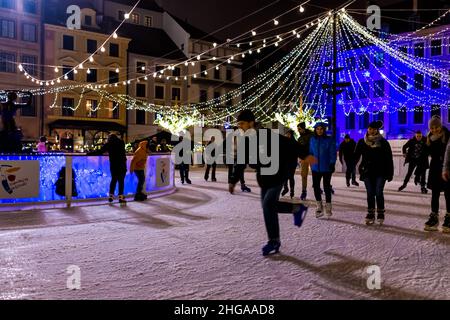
(147,41)
(144,4)
(193,31)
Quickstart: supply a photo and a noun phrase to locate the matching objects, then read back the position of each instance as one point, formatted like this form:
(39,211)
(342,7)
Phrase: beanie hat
(435,121)
(347,136)
(246,115)
(376,124)
(320,124)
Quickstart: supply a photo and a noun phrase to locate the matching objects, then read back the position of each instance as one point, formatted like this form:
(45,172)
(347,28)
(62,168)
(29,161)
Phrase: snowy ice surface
(203,243)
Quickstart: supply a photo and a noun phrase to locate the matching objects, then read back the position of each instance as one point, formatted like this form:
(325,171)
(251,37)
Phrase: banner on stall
(19,179)
(162,172)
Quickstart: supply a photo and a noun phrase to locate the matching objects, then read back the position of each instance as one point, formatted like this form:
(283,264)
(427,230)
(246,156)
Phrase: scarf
(434,137)
(373,141)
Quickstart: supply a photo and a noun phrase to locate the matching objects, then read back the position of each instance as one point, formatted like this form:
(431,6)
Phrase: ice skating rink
(203,243)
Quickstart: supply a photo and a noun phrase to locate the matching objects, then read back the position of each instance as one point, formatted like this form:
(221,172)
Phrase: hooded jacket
(139,160)
(323,148)
(115,148)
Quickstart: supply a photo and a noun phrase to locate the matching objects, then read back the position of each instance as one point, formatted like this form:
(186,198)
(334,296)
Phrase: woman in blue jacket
(323,148)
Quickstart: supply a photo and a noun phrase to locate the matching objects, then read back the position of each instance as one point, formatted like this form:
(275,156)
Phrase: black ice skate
(432,223)
(446,224)
(355,183)
(111,198)
(284,192)
(122,200)
(300,214)
(303,195)
(273,246)
(380,217)
(370,218)
(244,188)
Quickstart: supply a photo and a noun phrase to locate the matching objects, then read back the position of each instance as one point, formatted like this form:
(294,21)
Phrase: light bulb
(253,33)
(102,49)
(302,9)
(20,67)
(198,57)
(143,68)
(117,70)
(115,35)
(80,66)
(58,80)
(66,77)
(192,63)
(229,61)
(238,45)
(186,63)
(294,32)
(217,67)
(129,81)
(126,15)
(214,44)
(88,71)
(56,69)
(75,71)
(91,59)
(251,43)
(214,58)
(206,72)
(145,78)
(275,22)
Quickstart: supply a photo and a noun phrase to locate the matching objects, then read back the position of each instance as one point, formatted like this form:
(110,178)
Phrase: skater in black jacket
(377,167)
(437,141)
(347,152)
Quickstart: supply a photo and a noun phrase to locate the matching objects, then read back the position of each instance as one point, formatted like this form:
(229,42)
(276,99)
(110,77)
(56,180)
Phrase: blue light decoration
(92,176)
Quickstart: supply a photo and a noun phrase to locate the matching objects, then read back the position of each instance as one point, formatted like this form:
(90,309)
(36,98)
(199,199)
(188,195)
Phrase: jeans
(140,174)
(117,177)
(232,169)
(304,169)
(317,177)
(291,181)
(419,172)
(213,174)
(435,195)
(184,172)
(269,199)
(351,171)
(375,188)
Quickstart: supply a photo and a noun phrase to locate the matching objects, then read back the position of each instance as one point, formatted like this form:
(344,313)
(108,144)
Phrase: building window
(113,49)
(364,63)
(88,20)
(404,49)
(67,70)
(29,64)
(350,121)
(203,95)
(68,42)
(148,21)
(8,28)
(29,32)
(436,47)
(176,94)
(379,88)
(8,4)
(418,81)
(7,62)
(67,107)
(364,120)
(29,111)
(402,82)
(159,92)
(379,59)
(203,70)
(140,67)
(113,77)
(91,108)
(402,116)
(350,93)
(135,18)
(91,46)
(364,90)
(141,90)
(435,82)
(140,116)
(114,108)
(91,76)
(351,63)
(217,74)
(30,6)
(121,15)
(419,50)
(436,110)
(176,72)
(380,116)
(229,74)
(418,115)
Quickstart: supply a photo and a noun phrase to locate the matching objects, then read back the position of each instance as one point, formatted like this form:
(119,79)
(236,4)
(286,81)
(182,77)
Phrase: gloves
(332,167)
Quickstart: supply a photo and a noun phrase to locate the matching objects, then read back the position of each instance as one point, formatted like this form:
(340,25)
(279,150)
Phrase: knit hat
(246,115)
(302,125)
(320,124)
(376,124)
(347,136)
(435,121)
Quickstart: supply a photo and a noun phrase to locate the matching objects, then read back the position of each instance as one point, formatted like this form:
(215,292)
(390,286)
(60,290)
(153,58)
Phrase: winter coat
(436,149)
(305,138)
(117,157)
(376,162)
(409,148)
(323,148)
(347,151)
(41,147)
(139,160)
(288,153)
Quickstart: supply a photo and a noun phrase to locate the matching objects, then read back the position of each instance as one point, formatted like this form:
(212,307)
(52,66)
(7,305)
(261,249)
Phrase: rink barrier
(32,179)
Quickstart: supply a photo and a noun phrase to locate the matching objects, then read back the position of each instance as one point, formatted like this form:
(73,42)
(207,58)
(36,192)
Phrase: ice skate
(380,217)
(370,218)
(319,209)
(244,188)
(122,200)
(355,183)
(424,190)
(284,192)
(446,224)
(273,246)
(111,198)
(188,181)
(300,214)
(328,209)
(432,223)
(303,195)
